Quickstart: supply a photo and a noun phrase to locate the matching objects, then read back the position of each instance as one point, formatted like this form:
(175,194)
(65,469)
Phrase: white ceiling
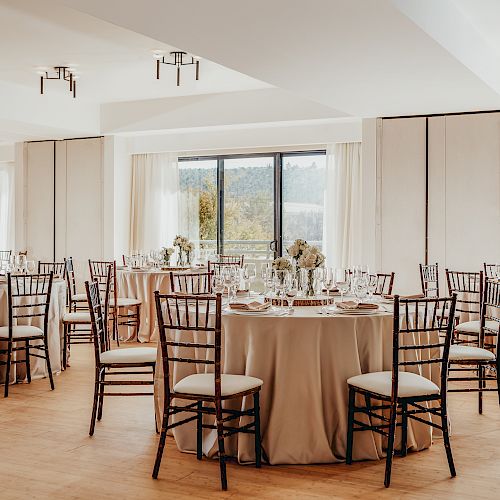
(262,61)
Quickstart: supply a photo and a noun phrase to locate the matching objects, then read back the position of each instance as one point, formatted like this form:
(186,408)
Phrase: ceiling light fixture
(65,73)
(178,61)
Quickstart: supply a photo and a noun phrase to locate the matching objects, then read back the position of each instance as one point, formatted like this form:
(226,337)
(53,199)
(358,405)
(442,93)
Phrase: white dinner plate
(357,312)
(271,310)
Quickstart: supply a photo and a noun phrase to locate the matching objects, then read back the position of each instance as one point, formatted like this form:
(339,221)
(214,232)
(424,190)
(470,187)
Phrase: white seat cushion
(131,355)
(21,331)
(410,384)
(125,302)
(79,297)
(474,326)
(203,384)
(470,353)
(76,317)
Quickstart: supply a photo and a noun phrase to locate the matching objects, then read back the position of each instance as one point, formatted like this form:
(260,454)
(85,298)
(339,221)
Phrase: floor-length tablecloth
(55,334)
(304,361)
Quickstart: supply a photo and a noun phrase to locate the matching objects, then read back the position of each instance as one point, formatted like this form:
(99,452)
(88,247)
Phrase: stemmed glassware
(217,283)
(266,272)
(249,273)
(328,282)
(30,266)
(291,291)
(342,281)
(372,286)
(360,287)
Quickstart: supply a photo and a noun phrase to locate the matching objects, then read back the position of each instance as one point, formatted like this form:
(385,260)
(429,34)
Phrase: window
(252,204)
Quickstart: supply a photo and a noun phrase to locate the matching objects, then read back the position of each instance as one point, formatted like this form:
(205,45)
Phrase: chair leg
(446,439)
(480,372)
(350,426)
(199,431)
(28,364)
(7,371)
(138,323)
(65,346)
(94,404)
(163,437)
(258,442)
(404,429)
(101,394)
(220,440)
(498,381)
(47,361)
(390,444)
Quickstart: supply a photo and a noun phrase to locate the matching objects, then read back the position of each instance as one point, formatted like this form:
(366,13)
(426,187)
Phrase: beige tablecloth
(304,361)
(55,334)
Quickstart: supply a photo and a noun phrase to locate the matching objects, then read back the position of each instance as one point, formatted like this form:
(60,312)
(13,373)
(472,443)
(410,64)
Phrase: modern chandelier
(178,61)
(65,73)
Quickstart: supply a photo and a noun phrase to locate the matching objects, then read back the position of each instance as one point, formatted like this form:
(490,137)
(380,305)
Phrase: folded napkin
(415,296)
(242,292)
(252,306)
(350,304)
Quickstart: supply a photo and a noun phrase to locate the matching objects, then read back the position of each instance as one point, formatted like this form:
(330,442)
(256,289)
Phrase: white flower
(188,246)
(311,258)
(282,264)
(297,248)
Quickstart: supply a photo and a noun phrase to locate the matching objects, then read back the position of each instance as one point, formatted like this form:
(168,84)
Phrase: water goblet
(342,281)
(291,291)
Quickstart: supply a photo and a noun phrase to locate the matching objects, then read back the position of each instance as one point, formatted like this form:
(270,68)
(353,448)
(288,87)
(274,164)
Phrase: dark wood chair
(28,299)
(404,393)
(475,356)
(491,270)
(183,316)
(58,269)
(383,282)
(469,289)
(225,260)
(123,311)
(191,283)
(111,362)
(429,278)
(76,301)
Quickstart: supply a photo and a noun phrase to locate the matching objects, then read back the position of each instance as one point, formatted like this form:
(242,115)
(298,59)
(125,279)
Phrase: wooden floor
(46,452)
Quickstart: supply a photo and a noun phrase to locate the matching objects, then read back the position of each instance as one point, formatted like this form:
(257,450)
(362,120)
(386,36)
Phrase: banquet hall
(249,249)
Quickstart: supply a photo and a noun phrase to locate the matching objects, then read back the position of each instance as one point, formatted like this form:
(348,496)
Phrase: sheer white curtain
(6,206)
(342,231)
(155,195)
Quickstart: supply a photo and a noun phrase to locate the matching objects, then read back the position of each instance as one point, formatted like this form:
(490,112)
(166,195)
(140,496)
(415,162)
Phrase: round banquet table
(141,285)
(55,334)
(304,360)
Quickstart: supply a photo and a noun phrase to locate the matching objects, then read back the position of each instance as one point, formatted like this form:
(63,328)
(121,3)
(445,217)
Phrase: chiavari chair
(491,270)
(5,255)
(58,269)
(124,311)
(225,261)
(383,282)
(111,362)
(182,319)
(406,394)
(429,278)
(475,356)
(469,289)
(191,283)
(28,300)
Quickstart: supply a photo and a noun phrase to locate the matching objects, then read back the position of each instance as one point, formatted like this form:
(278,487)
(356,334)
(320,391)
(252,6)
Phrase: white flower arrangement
(188,246)
(166,253)
(297,248)
(282,264)
(180,241)
(311,258)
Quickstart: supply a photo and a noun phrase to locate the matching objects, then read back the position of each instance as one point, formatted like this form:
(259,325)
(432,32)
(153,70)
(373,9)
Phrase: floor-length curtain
(155,196)
(6,206)
(342,232)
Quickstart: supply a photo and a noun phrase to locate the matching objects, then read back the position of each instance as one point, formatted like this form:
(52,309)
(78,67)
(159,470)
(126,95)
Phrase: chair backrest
(99,314)
(490,315)
(413,342)
(70,278)
(28,297)
(5,254)
(57,268)
(469,289)
(99,272)
(491,270)
(181,320)
(429,278)
(225,260)
(191,283)
(383,282)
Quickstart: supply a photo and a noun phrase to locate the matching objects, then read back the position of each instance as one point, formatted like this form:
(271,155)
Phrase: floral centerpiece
(311,259)
(166,254)
(295,250)
(184,246)
(281,266)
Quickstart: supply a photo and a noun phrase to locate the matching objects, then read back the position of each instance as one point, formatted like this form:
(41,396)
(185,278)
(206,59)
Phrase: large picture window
(253,205)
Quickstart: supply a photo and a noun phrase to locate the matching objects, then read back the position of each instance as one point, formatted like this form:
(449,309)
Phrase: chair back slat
(57,268)
(28,297)
(413,334)
(5,255)
(469,289)
(182,320)
(99,272)
(491,270)
(429,279)
(490,315)
(383,283)
(225,261)
(191,283)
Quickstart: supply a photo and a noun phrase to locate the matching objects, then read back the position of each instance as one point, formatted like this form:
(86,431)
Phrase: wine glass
(360,287)
(30,266)
(342,281)
(372,286)
(249,273)
(328,282)
(217,283)
(291,291)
